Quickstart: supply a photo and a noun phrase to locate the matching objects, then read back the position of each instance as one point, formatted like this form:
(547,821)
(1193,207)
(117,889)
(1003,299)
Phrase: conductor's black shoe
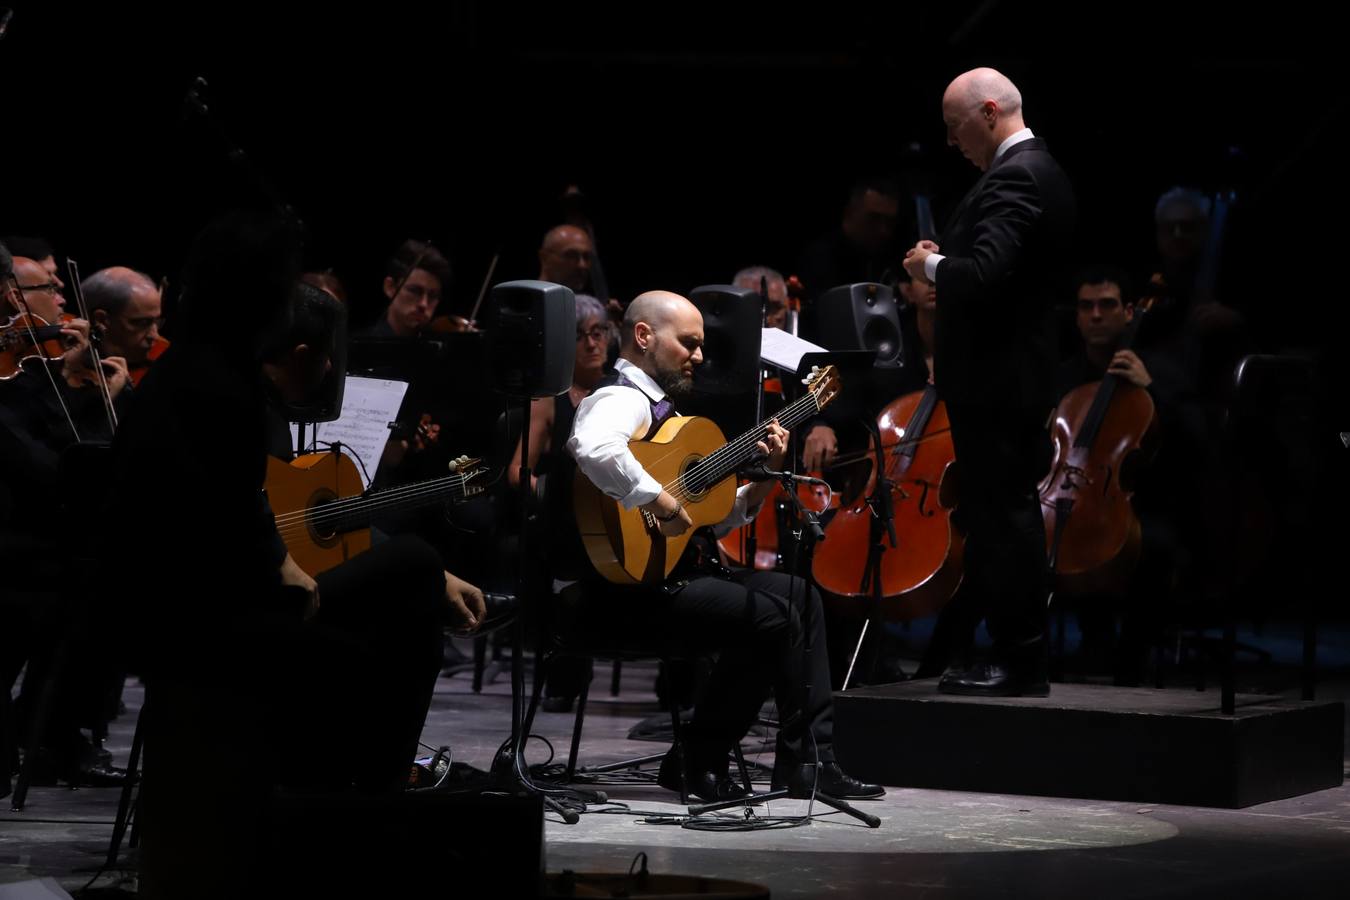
(994,679)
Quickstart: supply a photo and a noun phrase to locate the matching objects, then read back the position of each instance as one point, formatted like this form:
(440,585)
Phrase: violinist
(126,309)
(414,281)
(415,278)
(36,611)
(73,391)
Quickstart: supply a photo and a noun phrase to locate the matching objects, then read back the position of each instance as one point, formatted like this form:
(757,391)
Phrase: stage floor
(931,843)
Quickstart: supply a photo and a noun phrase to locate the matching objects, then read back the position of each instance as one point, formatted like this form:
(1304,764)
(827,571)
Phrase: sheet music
(785,350)
(368,406)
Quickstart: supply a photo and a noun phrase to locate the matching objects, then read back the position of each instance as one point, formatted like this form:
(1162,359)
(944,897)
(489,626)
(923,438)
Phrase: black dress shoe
(831,781)
(995,679)
(556,704)
(45,773)
(704,783)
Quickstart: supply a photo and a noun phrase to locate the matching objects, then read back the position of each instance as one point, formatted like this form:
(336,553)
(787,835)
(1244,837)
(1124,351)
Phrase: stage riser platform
(1086,741)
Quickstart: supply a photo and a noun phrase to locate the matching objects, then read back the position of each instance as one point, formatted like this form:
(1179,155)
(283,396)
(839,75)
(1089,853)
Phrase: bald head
(658,310)
(125,307)
(663,336)
(565,257)
(981,109)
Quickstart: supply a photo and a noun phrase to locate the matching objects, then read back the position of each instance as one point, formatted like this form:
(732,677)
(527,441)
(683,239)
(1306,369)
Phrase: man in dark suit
(996,269)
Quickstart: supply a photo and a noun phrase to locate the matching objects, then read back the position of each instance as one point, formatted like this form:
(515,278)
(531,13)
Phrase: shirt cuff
(648,489)
(930,264)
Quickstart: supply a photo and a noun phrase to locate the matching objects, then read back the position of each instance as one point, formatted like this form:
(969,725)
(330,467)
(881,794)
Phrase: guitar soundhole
(694,487)
(322,528)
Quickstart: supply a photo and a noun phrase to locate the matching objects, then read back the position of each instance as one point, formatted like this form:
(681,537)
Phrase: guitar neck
(726,459)
(358,512)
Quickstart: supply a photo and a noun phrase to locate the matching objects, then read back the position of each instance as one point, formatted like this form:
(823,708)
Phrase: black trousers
(758,624)
(1001,454)
(333,702)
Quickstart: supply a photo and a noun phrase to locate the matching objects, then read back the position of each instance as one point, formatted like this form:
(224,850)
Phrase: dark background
(708,137)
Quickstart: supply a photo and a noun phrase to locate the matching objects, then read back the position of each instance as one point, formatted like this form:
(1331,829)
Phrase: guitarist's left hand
(774,446)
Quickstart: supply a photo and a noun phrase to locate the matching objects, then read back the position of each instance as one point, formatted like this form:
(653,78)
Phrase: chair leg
(576,729)
(124,803)
(740,765)
(615,675)
(677,727)
(479,662)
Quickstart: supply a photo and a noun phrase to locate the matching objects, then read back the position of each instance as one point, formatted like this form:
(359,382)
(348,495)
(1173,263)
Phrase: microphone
(761,472)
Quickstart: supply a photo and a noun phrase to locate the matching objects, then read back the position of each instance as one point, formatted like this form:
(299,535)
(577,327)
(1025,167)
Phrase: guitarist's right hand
(662,507)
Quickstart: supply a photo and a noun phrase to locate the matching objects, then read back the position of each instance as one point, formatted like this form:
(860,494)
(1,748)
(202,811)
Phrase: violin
(453,324)
(137,372)
(29,336)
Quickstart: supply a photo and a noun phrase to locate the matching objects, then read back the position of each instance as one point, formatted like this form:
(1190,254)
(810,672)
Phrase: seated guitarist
(295,364)
(228,618)
(747,617)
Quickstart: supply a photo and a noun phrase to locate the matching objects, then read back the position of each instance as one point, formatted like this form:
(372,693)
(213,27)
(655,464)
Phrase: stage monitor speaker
(733,320)
(531,338)
(862,316)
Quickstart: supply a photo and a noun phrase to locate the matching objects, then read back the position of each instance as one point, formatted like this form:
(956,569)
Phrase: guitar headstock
(468,468)
(462,464)
(823,384)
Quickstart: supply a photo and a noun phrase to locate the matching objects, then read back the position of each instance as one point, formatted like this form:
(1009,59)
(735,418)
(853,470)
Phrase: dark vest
(567,554)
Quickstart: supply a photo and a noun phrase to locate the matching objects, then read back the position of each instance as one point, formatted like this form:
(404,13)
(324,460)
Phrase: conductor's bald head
(663,336)
(981,108)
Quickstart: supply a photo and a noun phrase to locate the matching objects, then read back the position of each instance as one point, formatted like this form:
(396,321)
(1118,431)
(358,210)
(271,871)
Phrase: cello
(1102,433)
(921,566)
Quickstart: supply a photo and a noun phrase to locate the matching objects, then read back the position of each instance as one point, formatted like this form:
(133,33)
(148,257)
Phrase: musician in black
(753,619)
(996,270)
(1105,310)
(228,636)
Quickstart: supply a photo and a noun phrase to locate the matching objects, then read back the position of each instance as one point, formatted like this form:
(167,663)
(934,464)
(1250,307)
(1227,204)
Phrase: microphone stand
(750,534)
(882,525)
(808,523)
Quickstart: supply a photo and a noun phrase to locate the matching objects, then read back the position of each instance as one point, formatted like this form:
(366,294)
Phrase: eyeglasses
(1105,304)
(597,334)
(50,287)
